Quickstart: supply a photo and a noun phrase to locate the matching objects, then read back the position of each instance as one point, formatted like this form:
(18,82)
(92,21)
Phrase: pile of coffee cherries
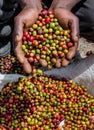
(10,65)
(41,103)
(46,42)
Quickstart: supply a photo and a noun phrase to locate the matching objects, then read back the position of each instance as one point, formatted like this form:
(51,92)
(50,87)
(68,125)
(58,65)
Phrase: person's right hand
(22,21)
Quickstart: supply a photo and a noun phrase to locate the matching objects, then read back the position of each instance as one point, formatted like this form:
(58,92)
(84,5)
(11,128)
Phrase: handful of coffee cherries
(46,43)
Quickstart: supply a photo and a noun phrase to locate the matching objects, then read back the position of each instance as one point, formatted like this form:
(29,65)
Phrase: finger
(65,62)
(23,60)
(17,39)
(74,27)
(27,67)
(20,55)
(72,51)
(18,31)
(62,18)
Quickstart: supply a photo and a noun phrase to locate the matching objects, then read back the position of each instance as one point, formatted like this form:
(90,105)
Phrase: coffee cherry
(70,44)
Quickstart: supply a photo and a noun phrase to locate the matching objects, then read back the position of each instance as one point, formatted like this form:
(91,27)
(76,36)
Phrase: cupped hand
(22,21)
(68,21)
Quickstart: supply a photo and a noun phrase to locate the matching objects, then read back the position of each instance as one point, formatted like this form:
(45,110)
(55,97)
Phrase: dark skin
(67,20)
(27,17)
(29,14)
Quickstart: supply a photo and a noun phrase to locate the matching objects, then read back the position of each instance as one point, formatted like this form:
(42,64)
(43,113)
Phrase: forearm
(69,4)
(30,3)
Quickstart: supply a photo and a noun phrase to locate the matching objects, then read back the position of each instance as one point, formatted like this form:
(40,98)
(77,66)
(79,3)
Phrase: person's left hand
(23,20)
(68,21)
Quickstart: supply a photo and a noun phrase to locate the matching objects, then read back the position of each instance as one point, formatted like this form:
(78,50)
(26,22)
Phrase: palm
(69,21)
(24,20)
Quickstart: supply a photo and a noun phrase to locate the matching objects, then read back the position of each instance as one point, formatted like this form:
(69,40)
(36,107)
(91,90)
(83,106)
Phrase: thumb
(74,27)
(18,31)
(17,40)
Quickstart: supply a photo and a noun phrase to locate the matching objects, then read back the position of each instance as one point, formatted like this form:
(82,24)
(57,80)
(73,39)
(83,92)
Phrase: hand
(68,21)
(23,20)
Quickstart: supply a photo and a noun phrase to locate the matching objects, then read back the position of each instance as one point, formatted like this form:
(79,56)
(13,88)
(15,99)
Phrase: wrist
(31,4)
(64,4)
